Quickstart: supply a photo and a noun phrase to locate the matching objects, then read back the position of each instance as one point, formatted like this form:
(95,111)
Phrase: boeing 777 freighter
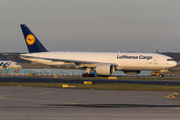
(103,63)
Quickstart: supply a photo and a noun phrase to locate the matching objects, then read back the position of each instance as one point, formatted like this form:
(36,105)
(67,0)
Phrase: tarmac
(62,79)
(35,103)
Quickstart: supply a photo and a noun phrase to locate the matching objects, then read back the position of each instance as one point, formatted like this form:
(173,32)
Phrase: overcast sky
(92,25)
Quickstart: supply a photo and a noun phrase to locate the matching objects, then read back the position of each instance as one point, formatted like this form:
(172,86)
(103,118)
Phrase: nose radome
(171,64)
(175,63)
(19,66)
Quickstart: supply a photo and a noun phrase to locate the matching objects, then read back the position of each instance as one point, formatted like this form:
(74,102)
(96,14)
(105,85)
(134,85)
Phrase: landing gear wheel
(91,75)
(88,75)
(161,75)
(83,75)
(103,75)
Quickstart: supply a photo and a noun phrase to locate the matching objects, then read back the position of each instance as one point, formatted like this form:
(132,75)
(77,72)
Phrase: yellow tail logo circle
(30,39)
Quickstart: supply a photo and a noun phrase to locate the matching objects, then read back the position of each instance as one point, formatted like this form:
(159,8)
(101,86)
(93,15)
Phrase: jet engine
(104,69)
(131,71)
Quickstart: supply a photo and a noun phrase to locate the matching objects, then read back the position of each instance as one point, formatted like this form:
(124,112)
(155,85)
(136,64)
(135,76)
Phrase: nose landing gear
(161,75)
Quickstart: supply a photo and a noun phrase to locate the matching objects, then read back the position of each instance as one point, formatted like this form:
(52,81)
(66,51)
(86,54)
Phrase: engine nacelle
(104,69)
(131,71)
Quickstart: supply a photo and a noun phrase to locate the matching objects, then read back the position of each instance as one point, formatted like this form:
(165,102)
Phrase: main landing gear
(88,75)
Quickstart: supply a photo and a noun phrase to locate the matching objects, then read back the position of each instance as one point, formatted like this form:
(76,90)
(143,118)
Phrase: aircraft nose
(20,66)
(172,63)
(175,63)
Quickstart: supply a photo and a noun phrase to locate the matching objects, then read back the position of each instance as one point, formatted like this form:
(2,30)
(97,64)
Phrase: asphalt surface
(33,103)
(67,80)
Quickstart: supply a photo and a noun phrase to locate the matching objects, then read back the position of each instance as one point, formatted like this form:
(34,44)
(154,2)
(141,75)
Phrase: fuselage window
(170,60)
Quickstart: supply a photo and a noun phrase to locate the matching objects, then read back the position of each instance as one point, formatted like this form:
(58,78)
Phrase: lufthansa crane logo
(30,39)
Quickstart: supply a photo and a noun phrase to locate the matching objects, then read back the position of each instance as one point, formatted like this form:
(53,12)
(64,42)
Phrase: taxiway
(34,103)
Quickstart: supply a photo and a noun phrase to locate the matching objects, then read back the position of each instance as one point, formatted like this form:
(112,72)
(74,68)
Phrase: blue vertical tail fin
(33,44)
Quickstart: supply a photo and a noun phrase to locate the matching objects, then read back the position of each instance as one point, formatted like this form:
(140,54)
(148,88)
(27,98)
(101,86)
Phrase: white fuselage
(122,61)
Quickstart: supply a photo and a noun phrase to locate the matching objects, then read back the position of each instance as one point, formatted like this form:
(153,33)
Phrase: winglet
(33,44)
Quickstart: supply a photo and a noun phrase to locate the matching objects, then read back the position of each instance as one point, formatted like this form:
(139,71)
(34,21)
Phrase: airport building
(63,72)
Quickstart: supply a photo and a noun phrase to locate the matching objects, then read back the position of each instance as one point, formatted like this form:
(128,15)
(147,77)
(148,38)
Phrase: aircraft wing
(61,60)
(65,60)
(70,61)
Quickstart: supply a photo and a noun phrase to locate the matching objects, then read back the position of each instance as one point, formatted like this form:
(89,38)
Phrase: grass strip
(131,87)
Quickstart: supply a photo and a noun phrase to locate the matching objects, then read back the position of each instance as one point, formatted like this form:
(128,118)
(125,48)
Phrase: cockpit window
(17,64)
(170,60)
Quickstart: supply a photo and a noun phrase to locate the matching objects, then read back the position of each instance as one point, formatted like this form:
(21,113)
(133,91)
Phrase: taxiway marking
(170,96)
(46,92)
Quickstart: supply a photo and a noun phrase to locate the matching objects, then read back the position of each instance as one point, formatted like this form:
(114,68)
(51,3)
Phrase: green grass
(131,87)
